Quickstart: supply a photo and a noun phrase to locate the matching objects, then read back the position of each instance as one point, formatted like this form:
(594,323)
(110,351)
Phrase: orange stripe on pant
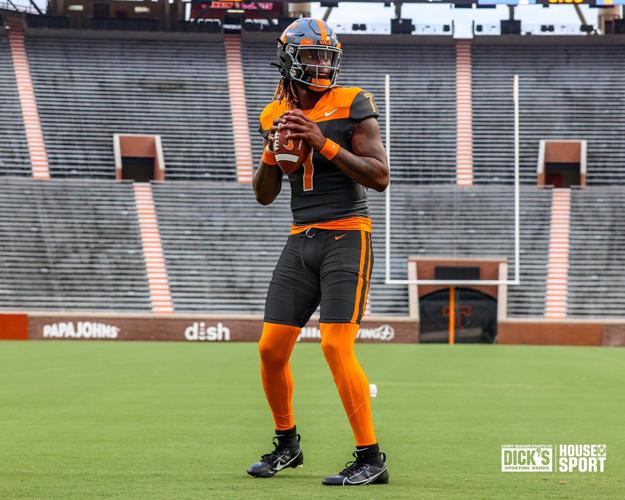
(367,276)
(361,282)
(275,347)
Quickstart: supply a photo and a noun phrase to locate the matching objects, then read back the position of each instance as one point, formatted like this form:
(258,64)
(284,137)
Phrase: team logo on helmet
(309,52)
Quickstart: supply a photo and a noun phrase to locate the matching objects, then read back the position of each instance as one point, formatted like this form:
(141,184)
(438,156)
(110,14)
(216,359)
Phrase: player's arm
(366,164)
(267,181)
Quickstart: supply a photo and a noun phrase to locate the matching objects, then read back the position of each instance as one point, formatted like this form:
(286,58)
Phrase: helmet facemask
(316,66)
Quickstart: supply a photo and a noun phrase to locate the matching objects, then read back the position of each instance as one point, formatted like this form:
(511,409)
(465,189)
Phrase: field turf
(174,420)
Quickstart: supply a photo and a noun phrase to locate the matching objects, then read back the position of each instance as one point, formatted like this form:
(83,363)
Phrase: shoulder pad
(363,106)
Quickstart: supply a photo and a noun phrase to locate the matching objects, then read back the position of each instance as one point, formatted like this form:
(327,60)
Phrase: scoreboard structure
(276,5)
(463,3)
(592,3)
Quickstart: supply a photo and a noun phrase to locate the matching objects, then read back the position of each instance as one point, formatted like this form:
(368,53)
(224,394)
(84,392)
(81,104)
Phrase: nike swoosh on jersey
(328,113)
(340,236)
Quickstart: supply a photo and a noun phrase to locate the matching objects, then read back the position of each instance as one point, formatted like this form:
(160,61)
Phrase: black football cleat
(280,458)
(360,472)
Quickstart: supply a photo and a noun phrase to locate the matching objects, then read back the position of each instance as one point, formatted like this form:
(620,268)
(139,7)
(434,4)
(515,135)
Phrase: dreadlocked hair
(285,92)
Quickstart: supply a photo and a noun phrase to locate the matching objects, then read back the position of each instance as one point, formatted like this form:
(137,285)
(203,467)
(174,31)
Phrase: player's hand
(271,137)
(302,127)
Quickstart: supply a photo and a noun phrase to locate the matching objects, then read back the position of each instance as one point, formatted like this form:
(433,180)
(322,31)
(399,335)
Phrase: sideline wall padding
(13,327)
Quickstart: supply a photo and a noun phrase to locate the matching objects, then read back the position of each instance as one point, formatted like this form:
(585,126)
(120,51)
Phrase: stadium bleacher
(260,83)
(597,252)
(220,246)
(70,244)
(88,89)
(566,92)
(14,157)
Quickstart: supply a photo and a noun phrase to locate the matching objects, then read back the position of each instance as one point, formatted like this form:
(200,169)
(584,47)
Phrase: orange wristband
(268,157)
(330,149)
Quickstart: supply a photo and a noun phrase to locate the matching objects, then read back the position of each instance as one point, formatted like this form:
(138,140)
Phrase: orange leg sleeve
(337,343)
(275,347)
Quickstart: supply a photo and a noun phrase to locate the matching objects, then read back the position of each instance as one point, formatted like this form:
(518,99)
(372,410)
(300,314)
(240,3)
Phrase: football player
(328,256)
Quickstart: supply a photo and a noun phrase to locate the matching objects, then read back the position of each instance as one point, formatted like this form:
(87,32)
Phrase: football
(290,153)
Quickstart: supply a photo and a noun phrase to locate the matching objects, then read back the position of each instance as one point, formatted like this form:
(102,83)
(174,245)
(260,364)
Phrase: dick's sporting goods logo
(526,458)
(540,457)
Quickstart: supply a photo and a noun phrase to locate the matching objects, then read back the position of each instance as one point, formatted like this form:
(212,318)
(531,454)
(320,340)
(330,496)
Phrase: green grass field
(174,420)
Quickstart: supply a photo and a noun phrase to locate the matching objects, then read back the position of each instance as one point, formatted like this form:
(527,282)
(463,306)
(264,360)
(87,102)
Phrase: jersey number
(309,171)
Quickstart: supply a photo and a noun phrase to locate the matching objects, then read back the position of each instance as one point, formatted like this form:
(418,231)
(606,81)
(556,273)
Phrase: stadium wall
(240,328)
(14,326)
(589,332)
(195,328)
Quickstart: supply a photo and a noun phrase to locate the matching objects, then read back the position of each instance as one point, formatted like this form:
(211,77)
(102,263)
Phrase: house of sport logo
(540,457)
(582,457)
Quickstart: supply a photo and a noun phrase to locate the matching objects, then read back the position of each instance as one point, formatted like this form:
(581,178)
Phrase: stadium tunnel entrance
(138,157)
(474,321)
(562,163)
(454,313)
